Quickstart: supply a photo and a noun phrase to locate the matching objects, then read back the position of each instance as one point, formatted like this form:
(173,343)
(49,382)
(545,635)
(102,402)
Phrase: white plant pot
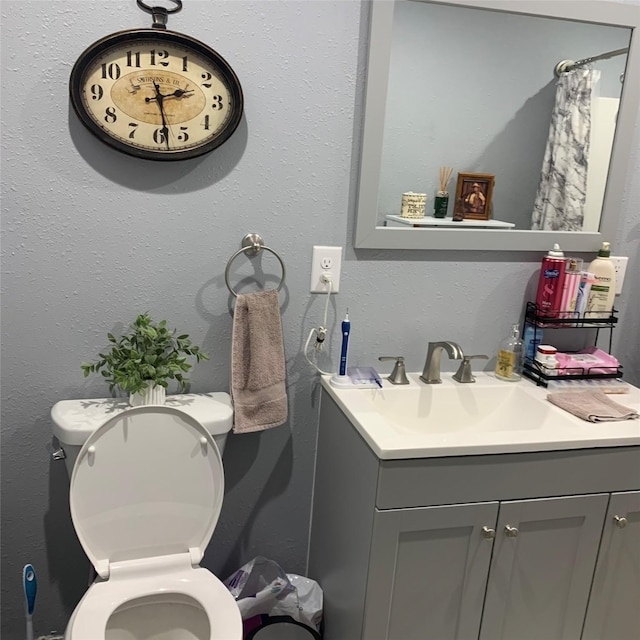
(153,394)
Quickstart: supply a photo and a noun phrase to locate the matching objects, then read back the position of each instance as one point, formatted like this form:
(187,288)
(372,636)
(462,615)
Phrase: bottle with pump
(603,290)
(551,283)
(509,362)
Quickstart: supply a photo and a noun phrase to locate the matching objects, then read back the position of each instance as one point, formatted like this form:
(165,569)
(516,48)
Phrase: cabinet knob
(511,532)
(621,521)
(488,533)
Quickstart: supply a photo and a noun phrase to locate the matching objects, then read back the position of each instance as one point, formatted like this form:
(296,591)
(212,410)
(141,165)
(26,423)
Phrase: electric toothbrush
(30,586)
(353,377)
(346,330)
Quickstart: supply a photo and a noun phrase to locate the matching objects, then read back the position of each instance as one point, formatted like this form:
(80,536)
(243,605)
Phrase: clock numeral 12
(161,54)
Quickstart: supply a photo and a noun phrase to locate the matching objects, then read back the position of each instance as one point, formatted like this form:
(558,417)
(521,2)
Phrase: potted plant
(142,361)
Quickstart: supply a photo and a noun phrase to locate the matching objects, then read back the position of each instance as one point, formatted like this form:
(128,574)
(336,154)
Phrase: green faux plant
(148,353)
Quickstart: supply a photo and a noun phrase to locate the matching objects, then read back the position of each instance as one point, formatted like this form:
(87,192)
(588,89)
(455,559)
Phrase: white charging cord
(321,331)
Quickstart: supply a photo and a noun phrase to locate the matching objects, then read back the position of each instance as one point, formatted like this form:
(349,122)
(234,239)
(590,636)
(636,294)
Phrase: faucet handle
(399,373)
(464,373)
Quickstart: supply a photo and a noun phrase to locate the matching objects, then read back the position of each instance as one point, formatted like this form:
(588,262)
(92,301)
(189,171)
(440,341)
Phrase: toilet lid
(149,482)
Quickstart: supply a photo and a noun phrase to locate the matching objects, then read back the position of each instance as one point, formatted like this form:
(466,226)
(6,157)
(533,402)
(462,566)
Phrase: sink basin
(489,416)
(470,407)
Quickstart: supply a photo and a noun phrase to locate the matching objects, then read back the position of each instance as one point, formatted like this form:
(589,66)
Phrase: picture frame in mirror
(474,193)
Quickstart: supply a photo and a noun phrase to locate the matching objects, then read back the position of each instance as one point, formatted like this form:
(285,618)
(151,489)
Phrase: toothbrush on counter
(346,330)
(30,586)
(353,377)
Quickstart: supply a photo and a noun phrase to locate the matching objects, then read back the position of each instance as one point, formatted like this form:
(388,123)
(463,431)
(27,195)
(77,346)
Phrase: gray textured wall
(92,237)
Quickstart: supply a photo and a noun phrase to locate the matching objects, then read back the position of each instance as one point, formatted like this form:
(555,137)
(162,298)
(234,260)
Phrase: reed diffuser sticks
(441,202)
(445,176)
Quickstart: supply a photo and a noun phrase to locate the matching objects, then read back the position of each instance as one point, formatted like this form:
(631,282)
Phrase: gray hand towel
(594,406)
(258,371)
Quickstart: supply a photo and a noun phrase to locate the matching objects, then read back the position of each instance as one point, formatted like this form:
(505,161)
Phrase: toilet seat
(92,615)
(146,493)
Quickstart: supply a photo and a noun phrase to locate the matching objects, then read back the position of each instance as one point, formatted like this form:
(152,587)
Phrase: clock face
(156,94)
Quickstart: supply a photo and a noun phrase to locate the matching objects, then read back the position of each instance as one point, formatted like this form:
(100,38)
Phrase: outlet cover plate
(325,260)
(620,264)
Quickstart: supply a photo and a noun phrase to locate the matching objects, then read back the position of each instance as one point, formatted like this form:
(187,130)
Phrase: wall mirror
(472,85)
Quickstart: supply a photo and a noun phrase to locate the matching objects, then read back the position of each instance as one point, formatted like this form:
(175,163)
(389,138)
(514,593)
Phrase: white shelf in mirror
(431,221)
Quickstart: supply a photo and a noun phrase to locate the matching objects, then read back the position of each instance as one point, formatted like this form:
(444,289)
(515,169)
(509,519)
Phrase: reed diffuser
(441,203)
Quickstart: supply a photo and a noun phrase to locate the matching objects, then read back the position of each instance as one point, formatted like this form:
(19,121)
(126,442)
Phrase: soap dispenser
(509,363)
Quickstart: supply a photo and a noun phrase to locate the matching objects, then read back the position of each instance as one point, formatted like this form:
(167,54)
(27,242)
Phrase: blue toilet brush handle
(30,587)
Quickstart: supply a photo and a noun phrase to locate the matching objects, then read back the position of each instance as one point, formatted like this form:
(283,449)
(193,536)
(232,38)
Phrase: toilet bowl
(145,496)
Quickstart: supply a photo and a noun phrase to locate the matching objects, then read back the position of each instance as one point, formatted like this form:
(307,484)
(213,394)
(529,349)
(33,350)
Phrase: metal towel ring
(252,245)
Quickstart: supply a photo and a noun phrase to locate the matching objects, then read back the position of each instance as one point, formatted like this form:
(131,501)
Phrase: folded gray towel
(594,406)
(258,370)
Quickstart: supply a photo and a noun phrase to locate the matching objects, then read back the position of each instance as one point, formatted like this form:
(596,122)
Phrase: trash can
(282,628)
(275,604)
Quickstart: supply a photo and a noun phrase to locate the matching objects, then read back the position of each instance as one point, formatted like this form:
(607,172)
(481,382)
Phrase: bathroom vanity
(451,529)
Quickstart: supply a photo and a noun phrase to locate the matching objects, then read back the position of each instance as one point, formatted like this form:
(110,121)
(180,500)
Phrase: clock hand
(159,99)
(178,93)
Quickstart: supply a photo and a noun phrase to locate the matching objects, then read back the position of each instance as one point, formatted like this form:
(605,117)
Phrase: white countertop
(532,424)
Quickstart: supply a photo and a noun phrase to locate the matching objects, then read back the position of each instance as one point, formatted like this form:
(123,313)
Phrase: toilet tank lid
(75,420)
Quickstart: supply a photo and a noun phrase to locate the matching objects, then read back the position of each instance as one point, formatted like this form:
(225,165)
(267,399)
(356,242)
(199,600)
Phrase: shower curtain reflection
(561,198)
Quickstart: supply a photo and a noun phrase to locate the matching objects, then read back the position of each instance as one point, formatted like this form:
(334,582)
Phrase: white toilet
(147,486)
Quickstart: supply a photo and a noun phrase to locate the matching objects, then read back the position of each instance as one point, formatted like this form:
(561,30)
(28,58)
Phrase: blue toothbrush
(30,586)
(346,330)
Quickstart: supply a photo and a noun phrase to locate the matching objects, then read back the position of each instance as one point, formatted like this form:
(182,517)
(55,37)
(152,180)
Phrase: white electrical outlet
(325,261)
(620,264)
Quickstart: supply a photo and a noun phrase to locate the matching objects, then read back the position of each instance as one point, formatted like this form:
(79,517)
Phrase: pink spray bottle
(551,283)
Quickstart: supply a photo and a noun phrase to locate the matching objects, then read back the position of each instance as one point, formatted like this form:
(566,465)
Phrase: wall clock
(156,94)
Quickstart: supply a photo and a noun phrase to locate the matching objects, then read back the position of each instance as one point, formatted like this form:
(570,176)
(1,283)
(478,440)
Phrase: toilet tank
(75,420)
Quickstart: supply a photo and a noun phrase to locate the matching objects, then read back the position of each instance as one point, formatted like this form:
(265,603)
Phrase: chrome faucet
(464,373)
(431,373)
(399,373)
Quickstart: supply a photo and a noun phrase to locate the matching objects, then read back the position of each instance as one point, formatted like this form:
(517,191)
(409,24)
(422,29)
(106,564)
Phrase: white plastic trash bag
(261,587)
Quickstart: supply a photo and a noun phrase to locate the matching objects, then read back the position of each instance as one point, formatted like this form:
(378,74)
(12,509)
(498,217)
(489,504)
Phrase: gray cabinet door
(542,568)
(614,605)
(428,572)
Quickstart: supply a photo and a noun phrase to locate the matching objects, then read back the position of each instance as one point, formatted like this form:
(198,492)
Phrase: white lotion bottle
(603,291)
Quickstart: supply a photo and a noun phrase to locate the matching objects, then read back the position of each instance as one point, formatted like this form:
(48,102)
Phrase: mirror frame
(369,235)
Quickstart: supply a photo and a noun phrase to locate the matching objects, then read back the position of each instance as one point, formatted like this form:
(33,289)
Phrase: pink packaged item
(588,361)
